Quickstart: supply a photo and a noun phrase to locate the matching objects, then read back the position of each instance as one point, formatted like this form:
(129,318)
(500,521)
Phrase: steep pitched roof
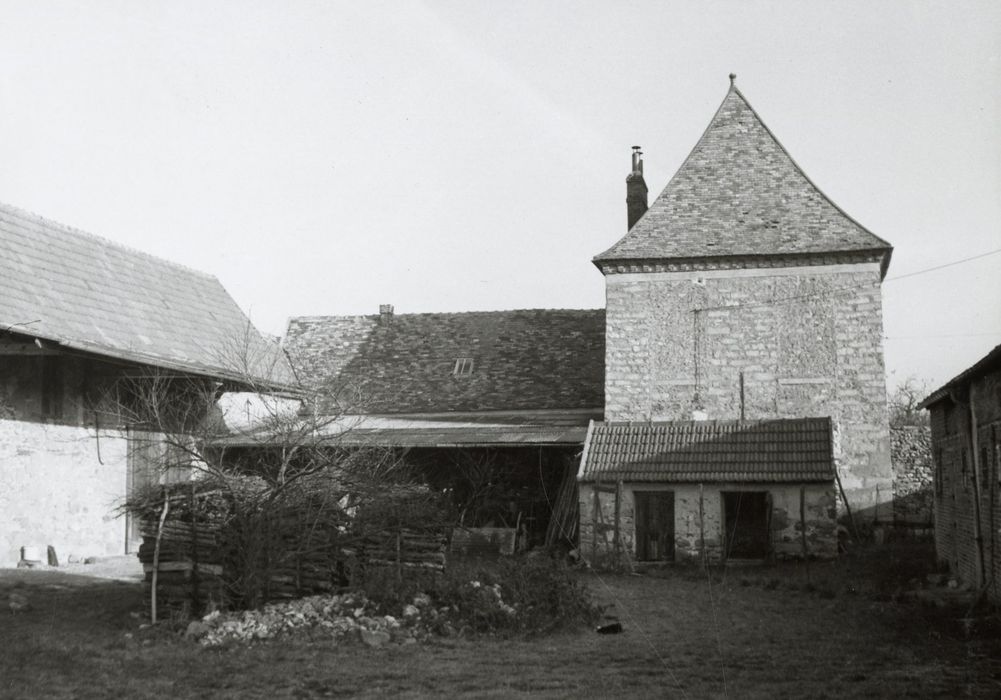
(789,450)
(521,360)
(86,293)
(739,193)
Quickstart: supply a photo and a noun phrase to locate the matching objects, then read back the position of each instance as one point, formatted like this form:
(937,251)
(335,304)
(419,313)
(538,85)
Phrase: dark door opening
(654,525)
(745,523)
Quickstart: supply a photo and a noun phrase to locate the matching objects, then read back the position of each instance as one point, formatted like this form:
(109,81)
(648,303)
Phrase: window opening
(463,367)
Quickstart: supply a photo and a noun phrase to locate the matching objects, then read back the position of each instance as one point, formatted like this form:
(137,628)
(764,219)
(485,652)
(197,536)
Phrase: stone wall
(913,487)
(61,488)
(64,459)
(956,483)
(699,519)
(807,340)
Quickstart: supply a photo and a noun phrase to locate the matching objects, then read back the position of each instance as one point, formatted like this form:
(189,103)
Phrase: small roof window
(463,367)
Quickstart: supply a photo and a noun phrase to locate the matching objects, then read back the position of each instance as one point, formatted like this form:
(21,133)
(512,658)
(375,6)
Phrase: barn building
(966,453)
(83,324)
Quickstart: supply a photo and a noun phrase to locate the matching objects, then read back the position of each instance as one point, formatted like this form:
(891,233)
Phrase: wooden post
(617,543)
(848,508)
(802,530)
(702,529)
(399,547)
(156,555)
(195,588)
(596,516)
(978,534)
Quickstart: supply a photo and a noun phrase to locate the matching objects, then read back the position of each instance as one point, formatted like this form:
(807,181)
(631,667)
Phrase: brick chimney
(385,314)
(636,189)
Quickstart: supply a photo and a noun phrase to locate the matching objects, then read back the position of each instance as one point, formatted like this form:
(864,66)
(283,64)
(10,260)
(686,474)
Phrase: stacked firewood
(189,570)
(198,570)
(406,548)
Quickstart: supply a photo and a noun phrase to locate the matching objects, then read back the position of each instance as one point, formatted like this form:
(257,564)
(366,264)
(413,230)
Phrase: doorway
(654,525)
(746,524)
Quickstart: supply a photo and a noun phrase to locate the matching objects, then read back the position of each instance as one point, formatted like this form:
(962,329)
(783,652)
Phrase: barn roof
(739,193)
(788,450)
(990,361)
(86,293)
(535,360)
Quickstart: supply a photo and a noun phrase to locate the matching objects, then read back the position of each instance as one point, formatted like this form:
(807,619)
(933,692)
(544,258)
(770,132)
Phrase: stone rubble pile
(345,616)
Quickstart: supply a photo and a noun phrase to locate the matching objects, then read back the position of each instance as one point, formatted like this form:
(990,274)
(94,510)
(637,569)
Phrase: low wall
(913,486)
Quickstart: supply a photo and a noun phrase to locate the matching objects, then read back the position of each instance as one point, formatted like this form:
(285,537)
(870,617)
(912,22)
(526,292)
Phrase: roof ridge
(443,313)
(45,222)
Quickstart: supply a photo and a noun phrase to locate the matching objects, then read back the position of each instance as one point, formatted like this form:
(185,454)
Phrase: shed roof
(788,450)
(87,293)
(988,362)
(521,360)
(739,193)
(477,429)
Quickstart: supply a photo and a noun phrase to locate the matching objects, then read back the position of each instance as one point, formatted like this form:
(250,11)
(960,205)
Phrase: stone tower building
(743,292)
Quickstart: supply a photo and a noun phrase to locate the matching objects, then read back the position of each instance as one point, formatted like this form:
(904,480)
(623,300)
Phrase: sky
(329,157)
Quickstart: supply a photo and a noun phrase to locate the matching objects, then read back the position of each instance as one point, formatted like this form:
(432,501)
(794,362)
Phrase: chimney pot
(385,314)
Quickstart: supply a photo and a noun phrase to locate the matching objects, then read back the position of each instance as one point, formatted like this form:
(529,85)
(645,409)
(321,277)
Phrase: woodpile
(198,570)
(189,573)
(406,548)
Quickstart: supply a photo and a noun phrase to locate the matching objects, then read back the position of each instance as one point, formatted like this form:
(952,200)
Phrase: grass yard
(762,632)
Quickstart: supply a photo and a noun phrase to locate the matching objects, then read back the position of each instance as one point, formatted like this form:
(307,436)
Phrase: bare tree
(903,403)
(273,476)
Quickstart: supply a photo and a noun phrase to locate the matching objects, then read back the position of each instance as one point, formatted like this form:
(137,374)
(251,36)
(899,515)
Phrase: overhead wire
(846,288)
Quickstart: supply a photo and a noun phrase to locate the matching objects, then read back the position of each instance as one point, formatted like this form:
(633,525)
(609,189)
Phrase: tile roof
(710,451)
(522,360)
(990,361)
(86,293)
(739,193)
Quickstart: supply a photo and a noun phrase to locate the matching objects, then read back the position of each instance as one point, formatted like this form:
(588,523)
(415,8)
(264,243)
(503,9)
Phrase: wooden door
(654,518)
(746,523)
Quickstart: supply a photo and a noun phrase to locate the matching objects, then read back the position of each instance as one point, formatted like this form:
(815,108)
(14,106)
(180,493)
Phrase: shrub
(529,594)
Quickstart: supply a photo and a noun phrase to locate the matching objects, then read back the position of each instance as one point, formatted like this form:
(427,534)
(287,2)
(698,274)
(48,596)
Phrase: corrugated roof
(786,450)
(87,293)
(991,360)
(528,359)
(739,193)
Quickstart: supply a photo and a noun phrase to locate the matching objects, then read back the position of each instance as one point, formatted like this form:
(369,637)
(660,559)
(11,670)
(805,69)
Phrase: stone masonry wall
(62,473)
(913,495)
(808,341)
(58,491)
(695,521)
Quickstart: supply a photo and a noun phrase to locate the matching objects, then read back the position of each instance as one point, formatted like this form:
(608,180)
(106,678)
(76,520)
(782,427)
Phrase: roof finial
(733,77)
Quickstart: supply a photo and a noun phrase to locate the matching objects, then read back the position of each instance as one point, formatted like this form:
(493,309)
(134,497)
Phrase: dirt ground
(833,631)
